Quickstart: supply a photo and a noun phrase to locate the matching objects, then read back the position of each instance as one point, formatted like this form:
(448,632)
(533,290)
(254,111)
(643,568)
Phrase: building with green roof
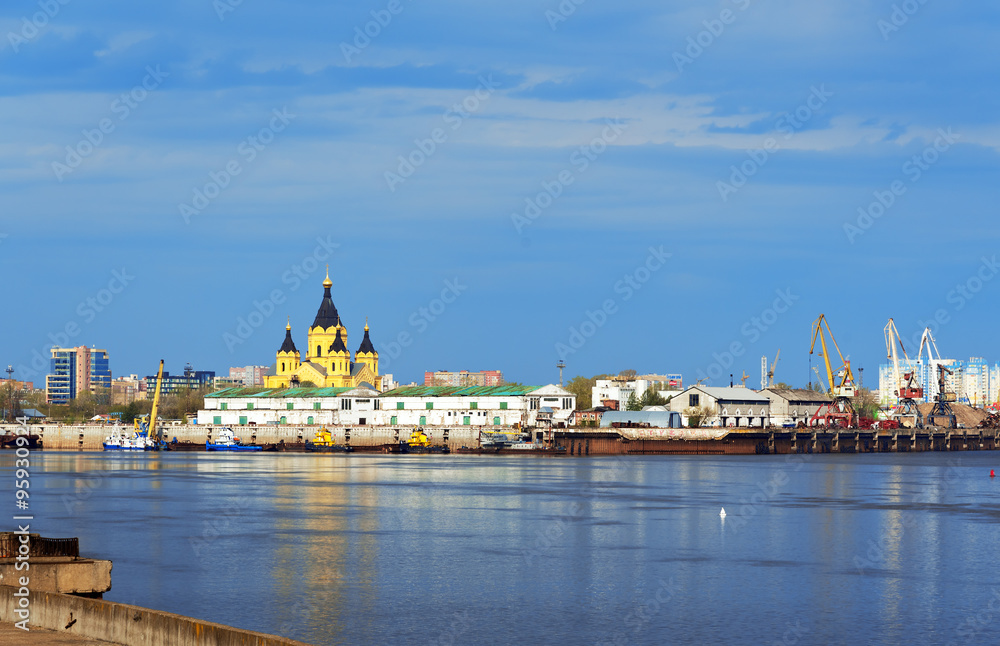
(482,406)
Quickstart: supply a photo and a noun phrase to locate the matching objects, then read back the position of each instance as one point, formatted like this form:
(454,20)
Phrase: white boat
(120,441)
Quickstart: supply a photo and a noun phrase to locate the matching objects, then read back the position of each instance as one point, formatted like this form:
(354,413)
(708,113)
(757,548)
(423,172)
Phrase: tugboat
(323,443)
(418,443)
(120,441)
(144,436)
(229,442)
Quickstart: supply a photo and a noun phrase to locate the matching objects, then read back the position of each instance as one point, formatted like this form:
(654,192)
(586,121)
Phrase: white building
(974,382)
(619,389)
(526,406)
(733,406)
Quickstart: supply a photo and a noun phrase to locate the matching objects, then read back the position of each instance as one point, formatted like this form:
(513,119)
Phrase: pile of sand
(965,415)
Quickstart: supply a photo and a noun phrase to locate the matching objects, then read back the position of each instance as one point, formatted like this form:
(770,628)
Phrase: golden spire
(366,324)
(288,326)
(328,282)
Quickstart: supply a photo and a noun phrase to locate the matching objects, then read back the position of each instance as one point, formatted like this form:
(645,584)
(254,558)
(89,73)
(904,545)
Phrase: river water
(372,549)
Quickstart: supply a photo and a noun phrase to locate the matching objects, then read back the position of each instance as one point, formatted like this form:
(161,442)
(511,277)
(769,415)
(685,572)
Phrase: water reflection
(405,549)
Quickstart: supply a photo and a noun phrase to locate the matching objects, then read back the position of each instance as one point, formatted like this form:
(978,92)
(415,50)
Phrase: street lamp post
(10,387)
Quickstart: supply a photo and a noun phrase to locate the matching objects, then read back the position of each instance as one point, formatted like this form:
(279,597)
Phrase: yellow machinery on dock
(146,424)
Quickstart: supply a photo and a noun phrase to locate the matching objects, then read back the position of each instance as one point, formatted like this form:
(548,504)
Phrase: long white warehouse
(527,406)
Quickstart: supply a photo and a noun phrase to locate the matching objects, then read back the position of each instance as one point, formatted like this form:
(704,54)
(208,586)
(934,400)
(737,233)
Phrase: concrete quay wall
(125,624)
(89,437)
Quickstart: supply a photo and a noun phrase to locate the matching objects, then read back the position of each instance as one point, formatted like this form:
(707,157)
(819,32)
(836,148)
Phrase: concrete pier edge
(124,624)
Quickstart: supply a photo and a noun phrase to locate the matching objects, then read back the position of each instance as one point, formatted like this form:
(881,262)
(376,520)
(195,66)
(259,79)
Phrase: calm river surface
(334,549)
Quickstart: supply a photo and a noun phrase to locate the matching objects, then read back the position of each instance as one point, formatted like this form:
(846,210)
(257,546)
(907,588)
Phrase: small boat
(229,442)
(494,443)
(9,441)
(323,443)
(185,445)
(122,441)
(418,443)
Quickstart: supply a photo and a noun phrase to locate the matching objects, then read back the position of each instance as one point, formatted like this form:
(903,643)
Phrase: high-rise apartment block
(74,371)
(463,378)
(250,375)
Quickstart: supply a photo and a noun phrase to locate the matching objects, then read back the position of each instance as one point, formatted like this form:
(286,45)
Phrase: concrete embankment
(608,441)
(124,624)
(632,441)
(89,437)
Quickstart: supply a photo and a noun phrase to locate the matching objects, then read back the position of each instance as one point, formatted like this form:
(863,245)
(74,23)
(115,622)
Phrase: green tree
(11,400)
(653,398)
(633,402)
(865,403)
(583,388)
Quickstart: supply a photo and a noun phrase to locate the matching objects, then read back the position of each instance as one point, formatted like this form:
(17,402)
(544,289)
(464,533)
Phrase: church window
(319,351)
(282,366)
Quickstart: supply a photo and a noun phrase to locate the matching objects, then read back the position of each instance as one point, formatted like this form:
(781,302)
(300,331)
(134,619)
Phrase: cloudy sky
(635,184)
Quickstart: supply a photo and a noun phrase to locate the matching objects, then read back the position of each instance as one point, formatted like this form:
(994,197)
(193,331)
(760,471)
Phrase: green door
(243,420)
(392,420)
(496,421)
(423,420)
(217,419)
(310,420)
(466,421)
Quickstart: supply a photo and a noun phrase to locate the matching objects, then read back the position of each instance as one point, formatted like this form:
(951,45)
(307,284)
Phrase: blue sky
(293,128)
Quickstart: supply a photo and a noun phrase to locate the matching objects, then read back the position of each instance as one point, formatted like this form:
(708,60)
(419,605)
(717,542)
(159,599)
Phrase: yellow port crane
(840,412)
(770,373)
(146,425)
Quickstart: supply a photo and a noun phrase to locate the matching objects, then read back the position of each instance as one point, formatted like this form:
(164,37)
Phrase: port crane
(840,412)
(770,373)
(145,426)
(907,388)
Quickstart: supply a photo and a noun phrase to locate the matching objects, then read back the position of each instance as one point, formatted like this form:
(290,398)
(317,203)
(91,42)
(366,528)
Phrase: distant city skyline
(638,186)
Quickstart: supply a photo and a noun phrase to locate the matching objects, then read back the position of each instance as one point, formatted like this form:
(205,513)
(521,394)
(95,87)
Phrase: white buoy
(722,513)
